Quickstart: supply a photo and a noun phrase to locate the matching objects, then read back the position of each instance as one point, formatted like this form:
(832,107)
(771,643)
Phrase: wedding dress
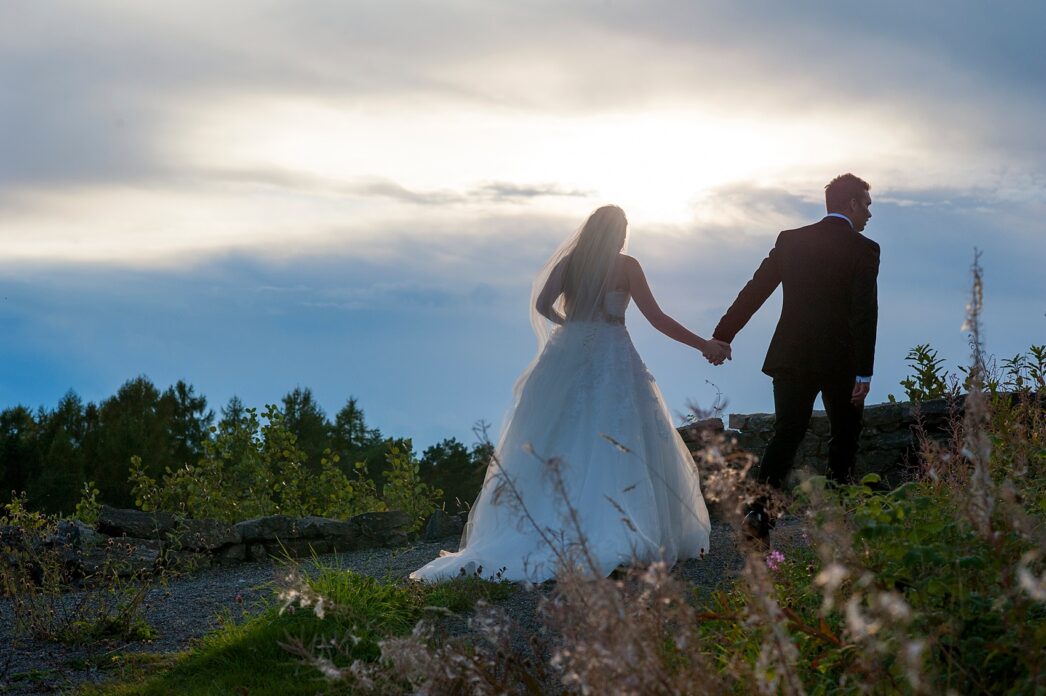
(589,468)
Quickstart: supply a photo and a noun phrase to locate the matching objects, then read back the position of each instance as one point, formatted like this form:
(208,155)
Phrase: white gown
(588,383)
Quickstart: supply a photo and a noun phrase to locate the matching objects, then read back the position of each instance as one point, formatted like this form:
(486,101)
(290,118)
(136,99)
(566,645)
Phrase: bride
(589,468)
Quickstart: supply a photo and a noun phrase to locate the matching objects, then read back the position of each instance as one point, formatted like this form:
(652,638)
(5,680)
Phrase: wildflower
(891,604)
(774,559)
(913,656)
(1034,586)
(830,579)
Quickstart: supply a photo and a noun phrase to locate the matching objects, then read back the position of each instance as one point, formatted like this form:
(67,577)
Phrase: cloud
(202,191)
(103,92)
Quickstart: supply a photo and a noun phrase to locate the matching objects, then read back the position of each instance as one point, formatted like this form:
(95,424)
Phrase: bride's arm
(550,293)
(644,299)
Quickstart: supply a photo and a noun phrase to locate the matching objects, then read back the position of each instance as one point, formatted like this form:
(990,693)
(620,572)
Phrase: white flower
(894,606)
(1034,586)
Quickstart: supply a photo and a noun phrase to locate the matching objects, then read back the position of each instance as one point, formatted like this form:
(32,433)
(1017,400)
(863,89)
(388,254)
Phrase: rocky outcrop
(442,524)
(130,542)
(134,523)
(888,446)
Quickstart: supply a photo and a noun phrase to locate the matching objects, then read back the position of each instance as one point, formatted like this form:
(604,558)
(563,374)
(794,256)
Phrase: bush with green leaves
(253,467)
(929,378)
(404,488)
(899,589)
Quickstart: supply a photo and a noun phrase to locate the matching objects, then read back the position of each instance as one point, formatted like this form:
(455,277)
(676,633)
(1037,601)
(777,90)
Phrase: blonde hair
(590,264)
(584,267)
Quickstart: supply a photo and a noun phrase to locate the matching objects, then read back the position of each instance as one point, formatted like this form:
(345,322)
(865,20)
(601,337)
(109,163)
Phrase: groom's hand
(717,352)
(860,391)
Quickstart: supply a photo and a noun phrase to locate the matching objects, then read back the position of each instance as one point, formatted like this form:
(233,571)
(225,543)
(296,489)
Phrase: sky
(355,196)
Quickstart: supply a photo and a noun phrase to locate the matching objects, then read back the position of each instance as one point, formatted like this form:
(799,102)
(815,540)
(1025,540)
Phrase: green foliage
(88,507)
(253,467)
(303,417)
(19,449)
(461,594)
(929,379)
(984,633)
(17,514)
(1025,372)
(456,470)
(288,460)
(357,612)
(404,488)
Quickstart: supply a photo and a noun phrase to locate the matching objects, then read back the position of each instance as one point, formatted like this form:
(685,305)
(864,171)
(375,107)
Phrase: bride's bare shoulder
(628,263)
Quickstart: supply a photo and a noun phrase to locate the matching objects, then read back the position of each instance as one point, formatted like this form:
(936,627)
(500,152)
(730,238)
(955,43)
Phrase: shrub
(404,489)
(50,600)
(251,468)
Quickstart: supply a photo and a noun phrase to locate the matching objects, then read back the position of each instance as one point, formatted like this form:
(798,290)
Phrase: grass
(461,594)
(256,655)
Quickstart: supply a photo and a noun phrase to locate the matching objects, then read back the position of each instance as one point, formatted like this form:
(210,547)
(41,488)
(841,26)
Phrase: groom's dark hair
(841,189)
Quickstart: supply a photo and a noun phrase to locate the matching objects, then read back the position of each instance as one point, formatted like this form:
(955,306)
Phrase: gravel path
(188,607)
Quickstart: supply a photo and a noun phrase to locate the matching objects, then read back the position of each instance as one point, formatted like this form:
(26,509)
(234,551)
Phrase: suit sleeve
(752,296)
(864,314)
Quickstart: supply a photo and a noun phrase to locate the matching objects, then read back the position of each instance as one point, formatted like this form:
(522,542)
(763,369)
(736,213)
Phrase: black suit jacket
(828,319)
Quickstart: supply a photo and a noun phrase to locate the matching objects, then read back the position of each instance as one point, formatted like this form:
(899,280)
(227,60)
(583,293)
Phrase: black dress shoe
(756,525)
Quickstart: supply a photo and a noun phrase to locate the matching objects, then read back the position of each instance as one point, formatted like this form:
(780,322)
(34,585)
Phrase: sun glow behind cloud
(653,162)
(283,175)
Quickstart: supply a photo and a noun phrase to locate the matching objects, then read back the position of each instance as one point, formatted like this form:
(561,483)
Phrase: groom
(825,339)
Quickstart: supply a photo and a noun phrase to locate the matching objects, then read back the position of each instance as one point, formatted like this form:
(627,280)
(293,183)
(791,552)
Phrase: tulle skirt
(589,470)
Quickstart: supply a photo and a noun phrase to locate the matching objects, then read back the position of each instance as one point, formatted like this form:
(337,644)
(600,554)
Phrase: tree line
(49,454)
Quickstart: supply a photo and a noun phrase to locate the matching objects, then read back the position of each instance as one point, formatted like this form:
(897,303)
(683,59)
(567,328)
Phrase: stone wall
(888,444)
(132,541)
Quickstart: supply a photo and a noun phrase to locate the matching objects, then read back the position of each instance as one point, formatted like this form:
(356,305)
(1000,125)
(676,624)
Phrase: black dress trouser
(794,395)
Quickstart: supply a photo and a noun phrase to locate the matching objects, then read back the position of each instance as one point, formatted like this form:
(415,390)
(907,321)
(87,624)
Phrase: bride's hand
(716,352)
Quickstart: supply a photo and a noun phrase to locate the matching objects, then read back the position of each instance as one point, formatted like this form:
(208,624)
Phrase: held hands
(716,352)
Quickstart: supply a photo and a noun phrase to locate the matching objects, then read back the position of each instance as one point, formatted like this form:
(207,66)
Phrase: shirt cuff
(864,380)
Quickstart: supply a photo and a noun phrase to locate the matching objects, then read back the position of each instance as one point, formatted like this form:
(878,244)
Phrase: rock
(752,422)
(205,534)
(818,424)
(74,534)
(937,409)
(189,561)
(699,431)
(124,556)
(878,415)
(271,528)
(326,528)
(896,440)
(257,552)
(236,553)
(752,442)
(441,525)
(12,538)
(135,523)
(13,551)
(383,528)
